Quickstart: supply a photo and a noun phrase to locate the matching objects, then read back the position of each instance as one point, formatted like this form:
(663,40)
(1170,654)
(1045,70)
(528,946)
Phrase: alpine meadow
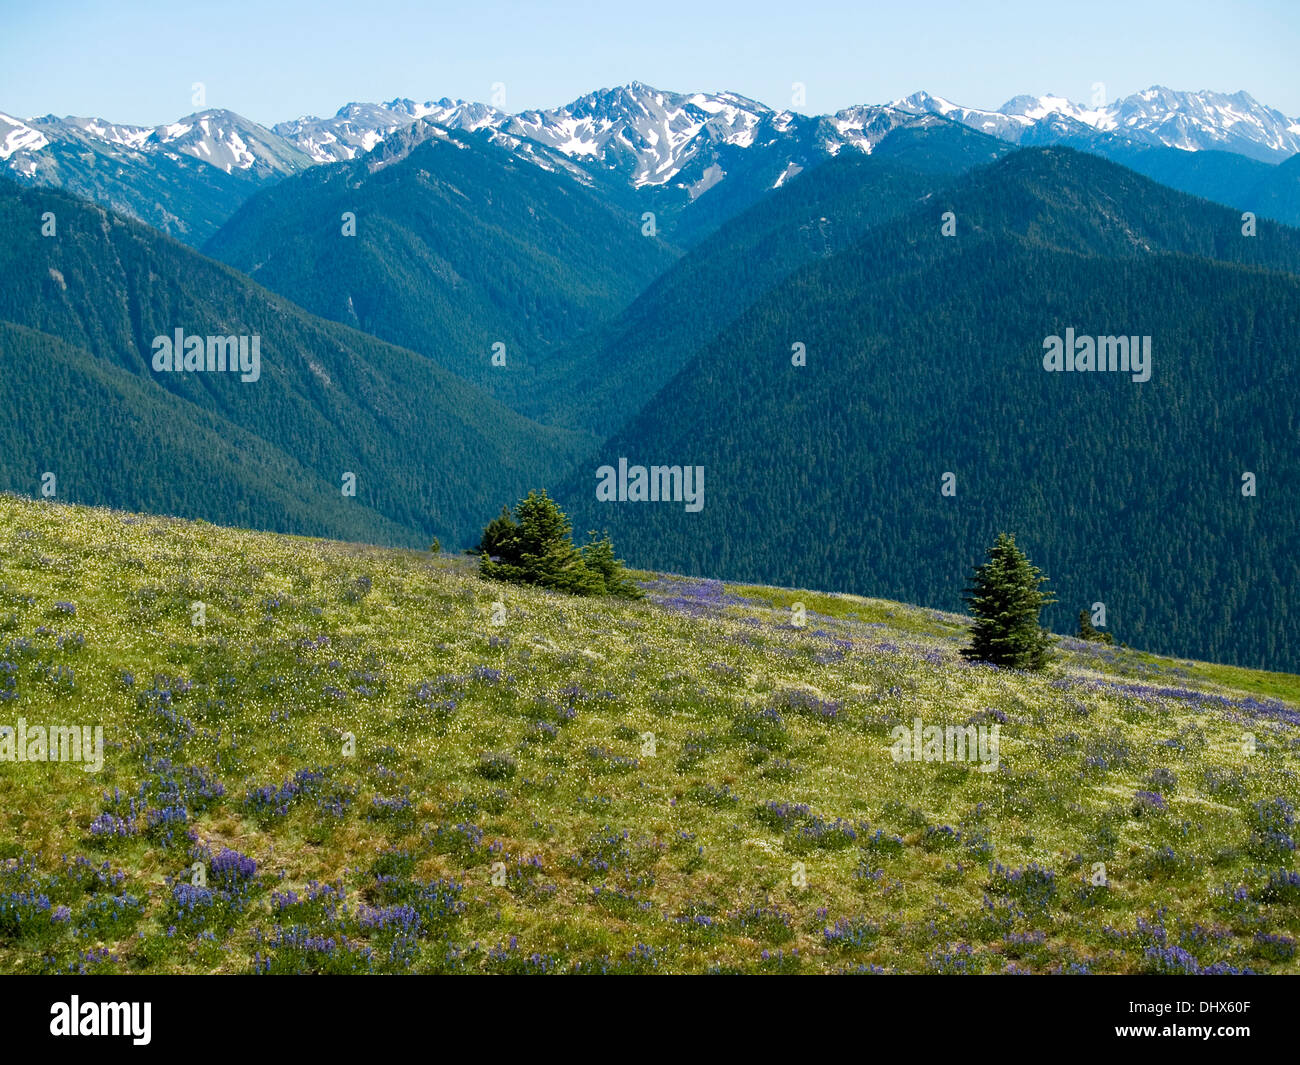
(660,533)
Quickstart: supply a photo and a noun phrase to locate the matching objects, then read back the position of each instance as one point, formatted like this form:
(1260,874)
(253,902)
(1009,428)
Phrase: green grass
(687,783)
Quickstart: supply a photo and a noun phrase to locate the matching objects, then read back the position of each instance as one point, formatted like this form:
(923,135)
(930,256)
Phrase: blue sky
(136,61)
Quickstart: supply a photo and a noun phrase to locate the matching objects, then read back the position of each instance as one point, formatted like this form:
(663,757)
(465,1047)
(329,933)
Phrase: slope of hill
(373,777)
(430,452)
(459,246)
(112,437)
(1278,193)
(925,358)
(1270,190)
(814,215)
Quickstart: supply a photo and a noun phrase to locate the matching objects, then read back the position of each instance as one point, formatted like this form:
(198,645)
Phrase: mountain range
(185,178)
(667,147)
(1192,121)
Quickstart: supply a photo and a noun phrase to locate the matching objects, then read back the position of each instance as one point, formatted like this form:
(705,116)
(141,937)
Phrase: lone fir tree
(1087,631)
(1005,598)
(534,545)
(598,554)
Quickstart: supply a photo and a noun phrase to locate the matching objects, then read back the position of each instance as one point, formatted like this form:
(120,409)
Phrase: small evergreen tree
(1088,632)
(435,547)
(500,531)
(1005,598)
(599,556)
(535,546)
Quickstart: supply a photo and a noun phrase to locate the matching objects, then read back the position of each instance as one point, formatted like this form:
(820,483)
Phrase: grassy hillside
(524,744)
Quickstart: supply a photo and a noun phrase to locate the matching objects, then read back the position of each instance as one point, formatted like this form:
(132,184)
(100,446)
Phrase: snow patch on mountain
(17,136)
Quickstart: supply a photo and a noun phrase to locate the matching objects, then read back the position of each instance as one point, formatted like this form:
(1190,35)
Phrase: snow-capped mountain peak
(1198,121)
(924,103)
(662,131)
(1193,121)
(357,128)
(650,132)
(228,141)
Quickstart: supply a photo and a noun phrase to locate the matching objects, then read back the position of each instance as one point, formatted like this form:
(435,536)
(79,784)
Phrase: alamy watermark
(655,484)
(953,743)
(102,1018)
(1115,354)
(194,354)
(57,743)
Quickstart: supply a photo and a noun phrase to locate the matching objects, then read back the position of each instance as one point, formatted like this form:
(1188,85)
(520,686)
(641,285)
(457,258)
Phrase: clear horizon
(272,65)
